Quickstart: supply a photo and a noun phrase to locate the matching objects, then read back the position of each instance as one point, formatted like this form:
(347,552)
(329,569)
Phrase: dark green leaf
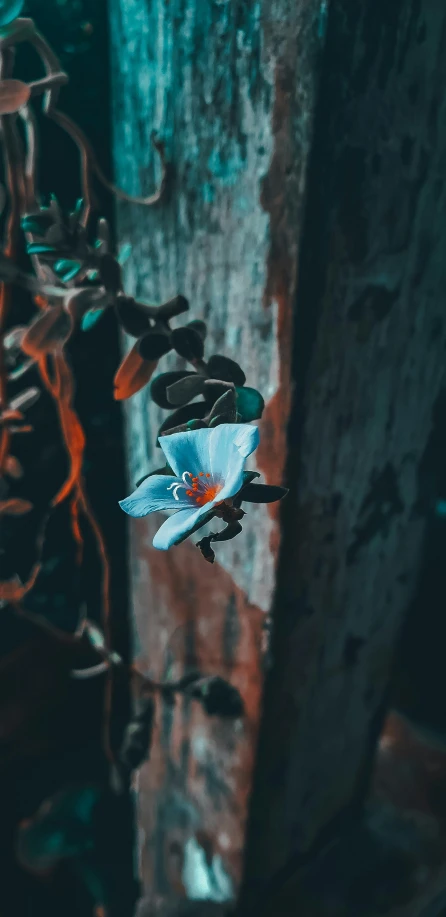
(248,476)
(61,828)
(223,418)
(198,326)
(184,427)
(34,225)
(214,390)
(76,213)
(159,386)
(183,390)
(250,404)
(80,300)
(184,414)
(188,343)
(39,248)
(132,316)
(66,269)
(227,370)
(224,406)
(90,319)
(173,307)
(262,493)
(154,345)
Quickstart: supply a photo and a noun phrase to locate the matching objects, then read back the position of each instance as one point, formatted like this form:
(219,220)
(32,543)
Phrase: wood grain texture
(230,86)
(369,369)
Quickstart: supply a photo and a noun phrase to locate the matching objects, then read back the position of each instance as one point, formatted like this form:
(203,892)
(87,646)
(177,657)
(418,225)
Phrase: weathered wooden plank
(369,367)
(231,88)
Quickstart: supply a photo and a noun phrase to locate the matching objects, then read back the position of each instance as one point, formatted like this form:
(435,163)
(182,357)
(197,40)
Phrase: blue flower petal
(229,445)
(153,494)
(178,526)
(217,451)
(187,451)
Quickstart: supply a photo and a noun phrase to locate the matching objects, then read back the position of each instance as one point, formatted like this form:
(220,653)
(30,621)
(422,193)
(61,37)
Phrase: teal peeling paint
(208,193)
(242,204)
(225,170)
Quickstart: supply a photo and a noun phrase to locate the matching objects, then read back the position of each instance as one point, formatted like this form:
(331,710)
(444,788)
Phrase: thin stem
(52,66)
(29,121)
(51,81)
(90,164)
(71,128)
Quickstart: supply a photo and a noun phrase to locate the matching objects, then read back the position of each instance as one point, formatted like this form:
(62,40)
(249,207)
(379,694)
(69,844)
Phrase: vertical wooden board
(230,87)
(371,372)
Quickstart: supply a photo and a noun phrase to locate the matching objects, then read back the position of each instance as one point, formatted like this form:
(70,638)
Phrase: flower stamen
(203,491)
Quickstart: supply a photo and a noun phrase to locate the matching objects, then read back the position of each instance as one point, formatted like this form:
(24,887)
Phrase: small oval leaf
(184,390)
(225,405)
(199,326)
(262,493)
(188,412)
(133,373)
(81,300)
(13,467)
(10,10)
(250,404)
(154,345)
(91,318)
(13,95)
(159,386)
(133,317)
(15,507)
(188,343)
(220,367)
(66,269)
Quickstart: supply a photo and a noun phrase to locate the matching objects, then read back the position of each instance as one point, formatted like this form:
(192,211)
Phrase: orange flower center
(202,490)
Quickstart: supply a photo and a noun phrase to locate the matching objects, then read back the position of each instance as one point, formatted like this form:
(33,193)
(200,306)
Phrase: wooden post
(369,371)
(230,86)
